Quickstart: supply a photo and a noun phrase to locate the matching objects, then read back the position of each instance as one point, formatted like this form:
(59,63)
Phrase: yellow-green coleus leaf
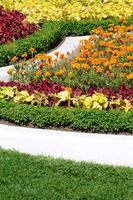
(64,95)
(88,102)
(8,92)
(128,106)
(100,98)
(96,105)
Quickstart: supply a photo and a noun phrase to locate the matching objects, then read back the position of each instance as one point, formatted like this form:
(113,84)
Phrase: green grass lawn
(25,177)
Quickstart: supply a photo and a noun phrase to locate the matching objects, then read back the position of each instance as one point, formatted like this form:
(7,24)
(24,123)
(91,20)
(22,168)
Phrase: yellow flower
(70,74)
(85,66)
(60,72)
(32,50)
(24,55)
(10,70)
(75,65)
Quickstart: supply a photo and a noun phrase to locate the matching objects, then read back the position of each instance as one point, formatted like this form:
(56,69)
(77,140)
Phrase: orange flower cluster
(106,58)
(109,52)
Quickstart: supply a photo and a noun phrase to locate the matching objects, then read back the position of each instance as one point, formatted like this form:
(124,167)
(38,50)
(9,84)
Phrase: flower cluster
(105,59)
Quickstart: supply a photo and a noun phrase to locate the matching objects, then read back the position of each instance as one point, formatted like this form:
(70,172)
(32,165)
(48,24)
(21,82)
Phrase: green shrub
(88,120)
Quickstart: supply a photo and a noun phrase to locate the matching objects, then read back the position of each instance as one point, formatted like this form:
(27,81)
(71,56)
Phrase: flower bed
(92,87)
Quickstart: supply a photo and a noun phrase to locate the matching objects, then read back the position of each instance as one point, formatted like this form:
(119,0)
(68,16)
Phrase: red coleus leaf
(12,26)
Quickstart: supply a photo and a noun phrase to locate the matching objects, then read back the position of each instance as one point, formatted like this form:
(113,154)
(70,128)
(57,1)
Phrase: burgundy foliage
(12,26)
(41,86)
(47,87)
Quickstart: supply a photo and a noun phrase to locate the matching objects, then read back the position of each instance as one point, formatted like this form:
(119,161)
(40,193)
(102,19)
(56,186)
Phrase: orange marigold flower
(56,53)
(75,65)
(62,56)
(24,55)
(126,64)
(99,69)
(85,66)
(130,76)
(106,63)
(101,52)
(47,73)
(130,58)
(94,55)
(23,62)
(14,59)
(38,73)
(92,37)
(60,72)
(50,64)
(113,61)
(40,56)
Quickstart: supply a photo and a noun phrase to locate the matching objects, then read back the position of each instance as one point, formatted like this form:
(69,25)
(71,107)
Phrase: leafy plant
(13,27)
(93,120)
(70,9)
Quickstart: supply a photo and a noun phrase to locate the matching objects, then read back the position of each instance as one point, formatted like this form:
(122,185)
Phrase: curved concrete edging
(97,148)
(69,44)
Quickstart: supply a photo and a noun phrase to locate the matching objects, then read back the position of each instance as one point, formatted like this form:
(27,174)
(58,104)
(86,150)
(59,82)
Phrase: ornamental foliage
(36,11)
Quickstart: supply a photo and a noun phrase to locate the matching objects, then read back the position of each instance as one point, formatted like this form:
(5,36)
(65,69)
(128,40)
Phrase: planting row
(46,87)
(70,9)
(65,98)
(75,118)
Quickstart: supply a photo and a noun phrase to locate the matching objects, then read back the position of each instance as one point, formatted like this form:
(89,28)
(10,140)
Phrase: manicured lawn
(24,177)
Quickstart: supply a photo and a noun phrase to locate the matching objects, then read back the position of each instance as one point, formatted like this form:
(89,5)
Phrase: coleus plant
(64,98)
(12,26)
(48,87)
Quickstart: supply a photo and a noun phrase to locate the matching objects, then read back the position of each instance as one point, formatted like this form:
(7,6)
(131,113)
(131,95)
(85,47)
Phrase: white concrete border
(99,148)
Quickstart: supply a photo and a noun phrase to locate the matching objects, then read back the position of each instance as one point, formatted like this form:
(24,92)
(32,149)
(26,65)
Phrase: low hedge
(50,33)
(88,120)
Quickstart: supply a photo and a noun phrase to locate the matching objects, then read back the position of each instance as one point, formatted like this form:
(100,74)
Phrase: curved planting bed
(89,91)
